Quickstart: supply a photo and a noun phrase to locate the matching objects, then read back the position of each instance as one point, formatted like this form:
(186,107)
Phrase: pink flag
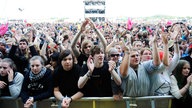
(129,24)
(3,29)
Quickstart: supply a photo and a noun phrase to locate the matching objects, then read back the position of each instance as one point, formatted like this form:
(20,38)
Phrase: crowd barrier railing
(96,102)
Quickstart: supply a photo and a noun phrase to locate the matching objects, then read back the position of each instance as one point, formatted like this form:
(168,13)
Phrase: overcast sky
(75,8)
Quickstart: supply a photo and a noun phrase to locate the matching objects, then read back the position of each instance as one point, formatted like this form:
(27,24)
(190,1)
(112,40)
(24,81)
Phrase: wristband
(88,75)
(11,83)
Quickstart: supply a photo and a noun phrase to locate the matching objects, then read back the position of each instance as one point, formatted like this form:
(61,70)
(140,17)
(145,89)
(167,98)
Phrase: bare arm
(114,74)
(165,49)
(43,51)
(77,96)
(58,94)
(116,77)
(59,40)
(100,35)
(175,36)
(109,46)
(176,56)
(156,58)
(75,39)
(125,63)
(186,30)
(83,79)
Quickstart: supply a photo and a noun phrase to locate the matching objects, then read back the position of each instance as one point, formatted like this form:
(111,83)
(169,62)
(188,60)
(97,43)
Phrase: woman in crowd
(66,76)
(161,83)
(180,82)
(38,82)
(10,80)
(53,61)
(146,54)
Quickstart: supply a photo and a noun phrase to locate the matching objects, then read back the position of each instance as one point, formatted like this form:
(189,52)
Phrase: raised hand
(112,65)
(164,37)
(84,24)
(90,64)
(189,79)
(91,23)
(10,75)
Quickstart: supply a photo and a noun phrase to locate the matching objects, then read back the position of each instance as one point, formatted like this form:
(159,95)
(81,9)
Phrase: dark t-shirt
(4,91)
(82,58)
(39,89)
(99,85)
(184,102)
(67,80)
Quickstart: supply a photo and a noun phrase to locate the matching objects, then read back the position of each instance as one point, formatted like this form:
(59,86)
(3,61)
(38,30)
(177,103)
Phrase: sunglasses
(113,55)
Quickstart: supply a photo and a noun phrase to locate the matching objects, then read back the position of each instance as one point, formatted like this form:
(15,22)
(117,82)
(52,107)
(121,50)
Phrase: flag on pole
(3,29)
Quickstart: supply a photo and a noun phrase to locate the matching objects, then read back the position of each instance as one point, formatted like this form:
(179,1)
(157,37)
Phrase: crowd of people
(70,61)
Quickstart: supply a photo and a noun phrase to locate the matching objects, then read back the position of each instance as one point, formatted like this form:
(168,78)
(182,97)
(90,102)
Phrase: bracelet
(11,83)
(88,75)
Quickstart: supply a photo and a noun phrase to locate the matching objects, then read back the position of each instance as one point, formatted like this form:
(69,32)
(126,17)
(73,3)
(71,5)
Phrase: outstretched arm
(176,56)
(100,35)
(75,39)
(164,37)
(125,63)
(156,58)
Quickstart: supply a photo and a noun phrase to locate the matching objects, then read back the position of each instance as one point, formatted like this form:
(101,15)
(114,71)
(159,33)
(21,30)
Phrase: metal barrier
(96,102)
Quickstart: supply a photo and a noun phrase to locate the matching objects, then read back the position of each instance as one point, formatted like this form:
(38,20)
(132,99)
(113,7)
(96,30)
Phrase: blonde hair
(84,44)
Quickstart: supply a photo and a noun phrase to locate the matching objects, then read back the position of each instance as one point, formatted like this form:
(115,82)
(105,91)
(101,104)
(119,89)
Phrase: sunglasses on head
(113,55)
